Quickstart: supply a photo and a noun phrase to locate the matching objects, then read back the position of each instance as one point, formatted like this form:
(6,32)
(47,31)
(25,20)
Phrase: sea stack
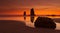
(32,15)
(24,15)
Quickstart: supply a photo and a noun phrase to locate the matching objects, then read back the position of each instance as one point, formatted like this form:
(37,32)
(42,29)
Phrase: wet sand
(13,26)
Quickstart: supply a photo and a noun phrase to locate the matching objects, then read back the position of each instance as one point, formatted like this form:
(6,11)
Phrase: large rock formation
(45,22)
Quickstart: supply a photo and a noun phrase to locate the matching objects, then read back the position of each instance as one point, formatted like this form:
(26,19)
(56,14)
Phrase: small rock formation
(24,15)
(44,22)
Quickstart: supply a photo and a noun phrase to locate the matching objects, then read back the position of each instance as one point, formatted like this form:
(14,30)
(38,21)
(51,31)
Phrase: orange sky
(41,7)
(37,12)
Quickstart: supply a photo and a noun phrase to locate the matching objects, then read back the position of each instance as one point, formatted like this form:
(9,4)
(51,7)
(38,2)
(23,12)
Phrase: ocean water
(28,22)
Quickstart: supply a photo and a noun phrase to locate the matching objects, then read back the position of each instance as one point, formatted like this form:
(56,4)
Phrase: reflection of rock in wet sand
(32,18)
(11,26)
(45,22)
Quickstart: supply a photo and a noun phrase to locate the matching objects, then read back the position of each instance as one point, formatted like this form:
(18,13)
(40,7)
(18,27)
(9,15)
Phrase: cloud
(16,4)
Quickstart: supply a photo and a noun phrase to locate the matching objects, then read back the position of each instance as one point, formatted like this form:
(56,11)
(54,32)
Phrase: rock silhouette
(44,22)
(32,15)
(24,15)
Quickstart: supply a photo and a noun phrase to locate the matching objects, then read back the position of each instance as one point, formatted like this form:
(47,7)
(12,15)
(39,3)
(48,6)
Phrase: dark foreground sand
(11,26)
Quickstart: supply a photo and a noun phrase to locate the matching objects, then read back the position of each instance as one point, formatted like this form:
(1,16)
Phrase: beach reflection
(28,21)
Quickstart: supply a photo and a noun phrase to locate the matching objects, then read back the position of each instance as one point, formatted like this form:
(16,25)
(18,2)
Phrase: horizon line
(25,15)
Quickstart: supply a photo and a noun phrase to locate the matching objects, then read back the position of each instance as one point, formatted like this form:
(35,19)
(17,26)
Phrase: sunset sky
(41,7)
